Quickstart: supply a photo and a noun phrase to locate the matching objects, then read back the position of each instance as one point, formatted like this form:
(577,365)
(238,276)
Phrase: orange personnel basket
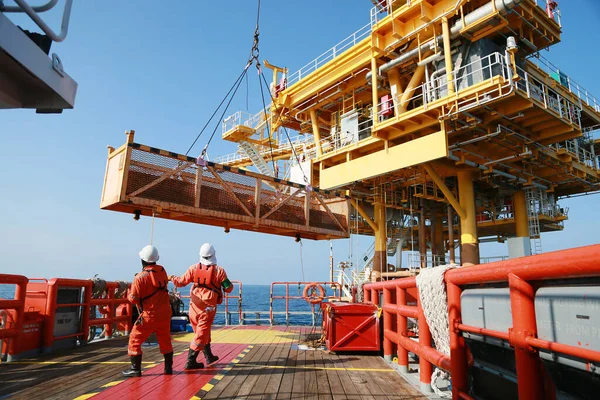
(142,180)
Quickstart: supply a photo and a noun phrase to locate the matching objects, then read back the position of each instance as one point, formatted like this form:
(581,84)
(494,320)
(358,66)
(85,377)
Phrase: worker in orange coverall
(149,292)
(210,281)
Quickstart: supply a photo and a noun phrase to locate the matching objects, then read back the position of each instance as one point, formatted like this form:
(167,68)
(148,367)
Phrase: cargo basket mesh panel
(168,178)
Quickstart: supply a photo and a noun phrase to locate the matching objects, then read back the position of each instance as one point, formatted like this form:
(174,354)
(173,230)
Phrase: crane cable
(254,53)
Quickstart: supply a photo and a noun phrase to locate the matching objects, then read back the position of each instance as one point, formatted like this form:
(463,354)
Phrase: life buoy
(311,298)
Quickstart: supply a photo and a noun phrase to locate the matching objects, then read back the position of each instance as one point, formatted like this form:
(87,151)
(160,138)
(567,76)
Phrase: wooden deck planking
(226,387)
(275,376)
(273,368)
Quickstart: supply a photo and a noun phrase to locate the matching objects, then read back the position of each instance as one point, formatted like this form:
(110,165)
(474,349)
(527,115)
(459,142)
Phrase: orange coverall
(203,305)
(155,317)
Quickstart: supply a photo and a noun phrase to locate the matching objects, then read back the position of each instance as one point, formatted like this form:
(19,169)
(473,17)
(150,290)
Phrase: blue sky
(161,70)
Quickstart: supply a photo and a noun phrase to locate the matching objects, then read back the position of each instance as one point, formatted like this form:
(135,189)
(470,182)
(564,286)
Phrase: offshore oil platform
(439,121)
(437,125)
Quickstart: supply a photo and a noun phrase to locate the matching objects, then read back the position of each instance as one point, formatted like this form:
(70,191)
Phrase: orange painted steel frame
(336,286)
(521,274)
(17,304)
(228,296)
(110,302)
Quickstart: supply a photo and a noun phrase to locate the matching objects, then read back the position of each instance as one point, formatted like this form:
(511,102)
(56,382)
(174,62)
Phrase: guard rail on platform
(17,304)
(335,286)
(523,276)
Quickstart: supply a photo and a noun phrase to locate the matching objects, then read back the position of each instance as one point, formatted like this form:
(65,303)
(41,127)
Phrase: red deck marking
(181,385)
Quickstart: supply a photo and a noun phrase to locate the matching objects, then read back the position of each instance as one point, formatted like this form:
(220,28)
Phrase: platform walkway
(256,363)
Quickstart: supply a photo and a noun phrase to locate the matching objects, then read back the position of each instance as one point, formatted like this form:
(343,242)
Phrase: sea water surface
(255,299)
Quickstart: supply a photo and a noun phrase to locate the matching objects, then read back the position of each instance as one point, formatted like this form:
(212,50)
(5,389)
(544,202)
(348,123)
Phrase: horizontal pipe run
(582,261)
(405,311)
(483,331)
(585,354)
(428,353)
(10,304)
(7,279)
(404,283)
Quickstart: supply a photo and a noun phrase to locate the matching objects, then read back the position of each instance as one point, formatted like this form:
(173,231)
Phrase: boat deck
(256,362)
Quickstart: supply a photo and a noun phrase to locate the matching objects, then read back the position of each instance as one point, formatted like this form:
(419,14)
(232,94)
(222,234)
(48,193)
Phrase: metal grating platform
(143,180)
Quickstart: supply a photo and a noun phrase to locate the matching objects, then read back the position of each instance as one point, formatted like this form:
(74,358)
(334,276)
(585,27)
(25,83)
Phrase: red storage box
(352,327)
(29,342)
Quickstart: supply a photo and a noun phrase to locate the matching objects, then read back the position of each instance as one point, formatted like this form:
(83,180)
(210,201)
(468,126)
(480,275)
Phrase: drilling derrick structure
(442,122)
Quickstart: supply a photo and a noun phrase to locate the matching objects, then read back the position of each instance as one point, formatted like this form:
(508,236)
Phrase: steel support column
(469,251)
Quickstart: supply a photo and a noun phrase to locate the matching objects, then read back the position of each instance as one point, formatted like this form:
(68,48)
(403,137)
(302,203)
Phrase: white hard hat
(208,254)
(149,254)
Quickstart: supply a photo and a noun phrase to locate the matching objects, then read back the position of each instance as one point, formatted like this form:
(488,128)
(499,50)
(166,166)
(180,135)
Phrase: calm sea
(255,299)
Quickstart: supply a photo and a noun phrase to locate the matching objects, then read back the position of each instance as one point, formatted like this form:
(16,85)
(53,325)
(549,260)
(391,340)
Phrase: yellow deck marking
(207,387)
(314,367)
(195,398)
(219,377)
(85,396)
(78,362)
(244,336)
(111,384)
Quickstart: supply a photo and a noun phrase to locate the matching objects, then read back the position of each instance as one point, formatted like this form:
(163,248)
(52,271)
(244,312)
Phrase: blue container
(178,324)
(189,328)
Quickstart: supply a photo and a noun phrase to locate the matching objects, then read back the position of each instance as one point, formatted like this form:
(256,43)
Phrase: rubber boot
(208,355)
(136,367)
(168,363)
(191,361)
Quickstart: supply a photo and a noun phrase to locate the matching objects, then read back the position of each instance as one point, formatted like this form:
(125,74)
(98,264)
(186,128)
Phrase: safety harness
(205,277)
(159,279)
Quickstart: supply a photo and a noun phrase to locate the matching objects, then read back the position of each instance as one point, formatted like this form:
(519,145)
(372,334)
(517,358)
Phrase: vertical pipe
(520,209)
(458,349)
(451,234)
(387,325)
(422,238)
(395,88)
(50,316)
(425,368)
(271,303)
(469,241)
(438,238)
(432,235)
(380,256)
(366,295)
(402,327)
(529,377)
(374,84)
(448,55)
(316,132)
(287,304)
(375,297)
(110,313)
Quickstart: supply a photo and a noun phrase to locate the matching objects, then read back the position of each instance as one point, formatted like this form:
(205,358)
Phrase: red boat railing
(17,304)
(337,291)
(109,303)
(523,276)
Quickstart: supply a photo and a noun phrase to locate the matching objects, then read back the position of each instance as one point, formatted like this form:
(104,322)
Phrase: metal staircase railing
(534,206)
(32,12)
(257,159)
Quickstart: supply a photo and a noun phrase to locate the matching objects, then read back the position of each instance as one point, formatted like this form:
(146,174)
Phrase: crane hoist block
(143,180)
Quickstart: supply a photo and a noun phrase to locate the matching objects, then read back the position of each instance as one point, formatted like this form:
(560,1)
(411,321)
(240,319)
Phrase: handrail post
(388,345)
(529,378)
(401,328)
(458,349)
(425,368)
